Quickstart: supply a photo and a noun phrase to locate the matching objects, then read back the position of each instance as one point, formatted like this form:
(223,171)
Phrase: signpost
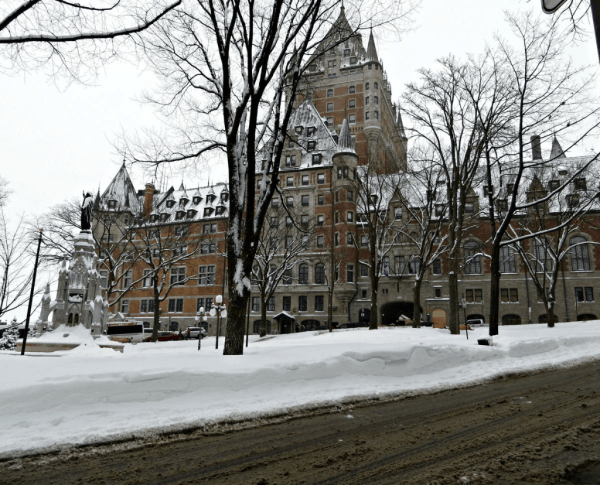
(551,6)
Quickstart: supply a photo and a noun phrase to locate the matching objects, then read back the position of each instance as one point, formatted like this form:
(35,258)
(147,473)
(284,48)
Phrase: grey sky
(54,143)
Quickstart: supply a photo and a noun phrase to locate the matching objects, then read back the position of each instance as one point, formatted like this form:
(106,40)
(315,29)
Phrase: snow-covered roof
(120,194)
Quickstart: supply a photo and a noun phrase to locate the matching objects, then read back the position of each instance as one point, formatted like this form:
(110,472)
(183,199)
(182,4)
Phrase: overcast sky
(54,142)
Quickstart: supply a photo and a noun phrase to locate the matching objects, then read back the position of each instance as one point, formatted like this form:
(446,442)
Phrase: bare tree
(523,96)
(444,118)
(163,252)
(246,61)
(552,229)
(4,191)
(286,235)
(420,222)
(70,35)
(16,264)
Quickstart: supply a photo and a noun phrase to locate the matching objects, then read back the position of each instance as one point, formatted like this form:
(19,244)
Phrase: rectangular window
(349,196)
(274,222)
(320,220)
(176,305)
(147,281)
(320,199)
(336,239)
(474,296)
(320,241)
(208,248)
(376,99)
(349,216)
(287,277)
(367,115)
(206,275)
(509,295)
(209,302)
(289,241)
(367,100)
(329,107)
(352,89)
(177,276)
(437,266)
(320,178)
(507,260)
(350,273)
(199,304)
(364,241)
(316,159)
(255,304)
(319,303)
(304,220)
(302,303)
(124,306)
(275,203)
(330,121)
(289,182)
(398,213)
(290,161)
(352,103)
(144,306)
(103,278)
(399,265)
(127,279)
(304,179)
(469,208)
(364,270)
(351,118)
(287,303)
(311,145)
(305,202)
(584,293)
(289,201)
(271,304)
(376,115)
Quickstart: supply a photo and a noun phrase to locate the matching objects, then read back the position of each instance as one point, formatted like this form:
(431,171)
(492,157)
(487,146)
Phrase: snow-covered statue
(86,212)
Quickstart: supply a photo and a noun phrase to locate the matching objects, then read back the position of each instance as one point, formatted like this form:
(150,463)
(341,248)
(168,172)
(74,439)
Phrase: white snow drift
(90,394)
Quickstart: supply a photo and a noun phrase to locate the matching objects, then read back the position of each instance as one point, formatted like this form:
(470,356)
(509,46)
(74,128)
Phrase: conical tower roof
(122,190)
(345,138)
(557,151)
(371,49)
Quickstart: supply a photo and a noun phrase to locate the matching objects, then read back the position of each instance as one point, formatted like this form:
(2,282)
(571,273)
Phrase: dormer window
(346,52)
(170,203)
(210,198)
(502,205)
(439,210)
(112,204)
(353,60)
(311,145)
(164,216)
(554,184)
(510,188)
(572,200)
(290,161)
(469,208)
(562,172)
(179,215)
(310,131)
(298,130)
(153,217)
(373,198)
(224,196)
(208,212)
(191,213)
(220,210)
(316,159)
(196,200)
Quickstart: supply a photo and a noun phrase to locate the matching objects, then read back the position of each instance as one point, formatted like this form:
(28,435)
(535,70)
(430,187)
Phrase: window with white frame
(175,305)
(177,276)
(206,275)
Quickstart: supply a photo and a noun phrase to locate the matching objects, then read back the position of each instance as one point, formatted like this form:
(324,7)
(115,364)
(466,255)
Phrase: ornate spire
(371,49)
(557,151)
(345,138)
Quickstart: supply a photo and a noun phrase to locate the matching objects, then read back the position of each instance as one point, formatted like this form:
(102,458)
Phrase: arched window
(320,274)
(303,274)
(174,326)
(330,93)
(580,255)
(472,258)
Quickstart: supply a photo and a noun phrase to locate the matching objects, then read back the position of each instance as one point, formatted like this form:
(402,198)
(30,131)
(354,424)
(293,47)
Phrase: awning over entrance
(283,314)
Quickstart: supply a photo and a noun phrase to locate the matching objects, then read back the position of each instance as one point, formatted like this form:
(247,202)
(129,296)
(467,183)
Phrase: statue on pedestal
(86,212)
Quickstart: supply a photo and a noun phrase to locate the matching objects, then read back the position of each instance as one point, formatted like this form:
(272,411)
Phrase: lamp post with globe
(199,316)
(220,310)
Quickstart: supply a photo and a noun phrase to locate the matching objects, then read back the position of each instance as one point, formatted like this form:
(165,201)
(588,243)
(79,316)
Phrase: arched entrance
(392,310)
(439,318)
(511,319)
(584,317)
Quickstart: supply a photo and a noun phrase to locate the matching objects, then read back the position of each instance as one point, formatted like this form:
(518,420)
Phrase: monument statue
(86,212)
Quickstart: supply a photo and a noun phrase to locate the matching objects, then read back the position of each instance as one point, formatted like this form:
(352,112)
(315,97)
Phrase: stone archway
(439,318)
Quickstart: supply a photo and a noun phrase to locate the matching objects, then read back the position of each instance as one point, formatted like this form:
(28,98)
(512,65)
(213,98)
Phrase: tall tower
(345,80)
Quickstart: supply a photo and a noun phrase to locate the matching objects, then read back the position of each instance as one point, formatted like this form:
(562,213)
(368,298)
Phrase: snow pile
(91,393)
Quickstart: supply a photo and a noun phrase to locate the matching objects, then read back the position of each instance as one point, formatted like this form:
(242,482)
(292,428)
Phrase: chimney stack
(536,147)
(148,199)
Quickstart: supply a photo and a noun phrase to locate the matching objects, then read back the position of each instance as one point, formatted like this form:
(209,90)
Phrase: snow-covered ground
(90,394)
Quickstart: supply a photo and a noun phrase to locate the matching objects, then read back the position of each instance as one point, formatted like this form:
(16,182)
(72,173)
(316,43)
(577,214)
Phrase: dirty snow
(90,394)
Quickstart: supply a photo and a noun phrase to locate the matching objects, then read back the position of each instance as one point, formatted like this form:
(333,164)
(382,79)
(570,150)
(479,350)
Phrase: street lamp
(199,314)
(219,310)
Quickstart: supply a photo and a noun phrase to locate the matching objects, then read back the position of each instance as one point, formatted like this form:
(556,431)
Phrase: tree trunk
(417,304)
(550,314)
(156,321)
(453,323)
(263,316)
(374,294)
(494,290)
(236,322)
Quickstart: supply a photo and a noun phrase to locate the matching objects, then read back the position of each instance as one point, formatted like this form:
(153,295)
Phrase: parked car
(165,337)
(193,332)
(475,322)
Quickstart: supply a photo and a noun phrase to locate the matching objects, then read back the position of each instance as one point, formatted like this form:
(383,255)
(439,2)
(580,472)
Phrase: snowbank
(90,394)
